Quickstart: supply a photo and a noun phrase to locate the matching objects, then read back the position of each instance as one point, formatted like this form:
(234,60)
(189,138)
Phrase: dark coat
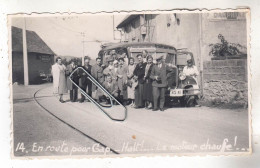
(75,77)
(161,73)
(148,94)
(84,81)
(140,72)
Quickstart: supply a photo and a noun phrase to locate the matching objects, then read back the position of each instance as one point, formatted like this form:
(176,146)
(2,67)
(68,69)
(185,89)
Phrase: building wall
(39,64)
(234,31)
(17,67)
(225,81)
(180,34)
(132,31)
(36,63)
(150,26)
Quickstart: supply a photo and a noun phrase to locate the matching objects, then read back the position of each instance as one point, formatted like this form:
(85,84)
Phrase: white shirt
(126,60)
(116,69)
(190,71)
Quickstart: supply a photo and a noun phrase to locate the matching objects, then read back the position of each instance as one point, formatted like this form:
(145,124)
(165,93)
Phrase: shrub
(226,49)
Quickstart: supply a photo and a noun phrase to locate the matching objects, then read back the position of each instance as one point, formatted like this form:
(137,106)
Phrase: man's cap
(159,57)
(189,61)
(98,58)
(86,57)
(120,58)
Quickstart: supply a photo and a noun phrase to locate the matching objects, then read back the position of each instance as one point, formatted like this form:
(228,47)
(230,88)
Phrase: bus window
(182,59)
(134,55)
(170,58)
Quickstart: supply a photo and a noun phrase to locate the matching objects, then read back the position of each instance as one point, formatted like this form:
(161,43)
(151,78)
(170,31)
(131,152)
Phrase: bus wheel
(183,102)
(191,101)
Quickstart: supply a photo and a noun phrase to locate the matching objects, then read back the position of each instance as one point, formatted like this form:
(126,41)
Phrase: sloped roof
(126,20)
(34,42)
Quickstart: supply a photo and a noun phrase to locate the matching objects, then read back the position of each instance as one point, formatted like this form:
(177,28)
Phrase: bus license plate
(176,92)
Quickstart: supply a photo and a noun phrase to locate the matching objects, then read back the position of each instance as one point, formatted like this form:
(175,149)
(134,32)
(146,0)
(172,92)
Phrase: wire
(66,28)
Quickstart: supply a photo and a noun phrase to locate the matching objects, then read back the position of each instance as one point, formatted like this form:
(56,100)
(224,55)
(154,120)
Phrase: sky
(64,33)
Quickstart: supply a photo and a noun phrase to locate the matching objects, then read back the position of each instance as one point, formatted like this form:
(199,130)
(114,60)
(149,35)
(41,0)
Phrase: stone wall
(225,82)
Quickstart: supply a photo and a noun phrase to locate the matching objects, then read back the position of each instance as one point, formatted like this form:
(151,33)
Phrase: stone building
(191,31)
(40,56)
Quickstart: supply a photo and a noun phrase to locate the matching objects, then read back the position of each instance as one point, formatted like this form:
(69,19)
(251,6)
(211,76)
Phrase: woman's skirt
(148,93)
(131,92)
(130,89)
(62,84)
(139,101)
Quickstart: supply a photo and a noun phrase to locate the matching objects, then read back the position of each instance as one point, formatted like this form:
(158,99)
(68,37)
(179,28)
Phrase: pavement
(79,125)
(33,127)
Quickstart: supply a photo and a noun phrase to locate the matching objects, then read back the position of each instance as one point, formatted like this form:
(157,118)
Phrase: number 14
(20,146)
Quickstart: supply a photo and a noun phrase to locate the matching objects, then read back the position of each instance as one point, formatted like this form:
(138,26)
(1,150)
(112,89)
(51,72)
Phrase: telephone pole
(83,47)
(25,56)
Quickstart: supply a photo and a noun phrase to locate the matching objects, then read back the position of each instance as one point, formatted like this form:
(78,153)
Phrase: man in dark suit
(71,87)
(139,73)
(159,84)
(84,82)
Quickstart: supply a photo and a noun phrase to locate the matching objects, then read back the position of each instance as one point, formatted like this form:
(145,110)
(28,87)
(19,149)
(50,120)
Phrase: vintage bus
(181,89)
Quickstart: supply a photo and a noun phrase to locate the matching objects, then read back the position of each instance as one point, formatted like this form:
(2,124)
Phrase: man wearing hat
(75,77)
(108,56)
(139,73)
(84,82)
(97,73)
(190,69)
(109,70)
(158,74)
(122,80)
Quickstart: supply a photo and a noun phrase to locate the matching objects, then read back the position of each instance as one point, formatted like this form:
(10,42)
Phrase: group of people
(140,85)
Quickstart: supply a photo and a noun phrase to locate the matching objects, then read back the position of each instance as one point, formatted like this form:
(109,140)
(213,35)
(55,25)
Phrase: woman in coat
(148,94)
(130,87)
(59,79)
